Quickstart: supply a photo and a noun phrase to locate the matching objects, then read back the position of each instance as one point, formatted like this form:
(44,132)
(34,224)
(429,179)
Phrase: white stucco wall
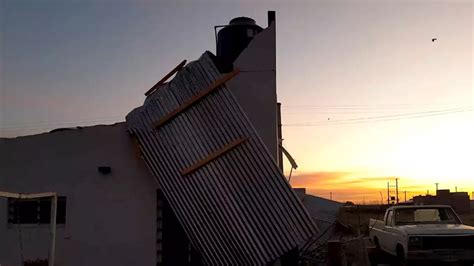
(255,86)
(110,219)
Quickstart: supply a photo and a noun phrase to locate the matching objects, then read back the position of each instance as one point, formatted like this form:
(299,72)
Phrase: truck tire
(376,243)
(401,260)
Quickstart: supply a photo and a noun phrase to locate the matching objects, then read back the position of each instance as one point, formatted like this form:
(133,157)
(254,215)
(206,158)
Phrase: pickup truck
(423,233)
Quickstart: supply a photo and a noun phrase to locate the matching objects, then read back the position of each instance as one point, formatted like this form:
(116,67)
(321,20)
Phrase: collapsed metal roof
(223,185)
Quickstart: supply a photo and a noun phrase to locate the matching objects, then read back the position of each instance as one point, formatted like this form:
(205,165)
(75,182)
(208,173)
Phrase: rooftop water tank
(234,38)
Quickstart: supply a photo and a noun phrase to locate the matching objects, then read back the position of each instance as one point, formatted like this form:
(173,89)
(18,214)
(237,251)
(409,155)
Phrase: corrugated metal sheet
(237,209)
(324,212)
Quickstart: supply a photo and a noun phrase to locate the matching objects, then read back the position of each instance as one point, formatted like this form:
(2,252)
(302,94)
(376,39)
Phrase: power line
(370,110)
(382,118)
(45,124)
(371,106)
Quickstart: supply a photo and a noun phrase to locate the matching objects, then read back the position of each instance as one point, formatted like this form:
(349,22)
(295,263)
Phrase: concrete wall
(255,86)
(110,219)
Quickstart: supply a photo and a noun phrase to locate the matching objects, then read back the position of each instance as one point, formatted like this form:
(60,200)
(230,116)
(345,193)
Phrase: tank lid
(242,21)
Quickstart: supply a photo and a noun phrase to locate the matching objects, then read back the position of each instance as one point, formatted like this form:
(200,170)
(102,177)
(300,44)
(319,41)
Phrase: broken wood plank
(165,78)
(213,156)
(216,84)
(26,195)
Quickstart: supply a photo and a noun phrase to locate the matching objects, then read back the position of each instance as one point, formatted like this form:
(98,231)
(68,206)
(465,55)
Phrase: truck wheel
(401,260)
(376,243)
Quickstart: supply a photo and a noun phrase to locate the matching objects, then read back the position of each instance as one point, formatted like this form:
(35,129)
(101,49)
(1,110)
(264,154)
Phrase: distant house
(190,178)
(458,200)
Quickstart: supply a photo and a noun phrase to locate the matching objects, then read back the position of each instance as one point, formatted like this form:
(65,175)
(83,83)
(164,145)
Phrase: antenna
(388,193)
(396,188)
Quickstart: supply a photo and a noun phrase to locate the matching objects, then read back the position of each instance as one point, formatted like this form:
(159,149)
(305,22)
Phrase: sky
(366,95)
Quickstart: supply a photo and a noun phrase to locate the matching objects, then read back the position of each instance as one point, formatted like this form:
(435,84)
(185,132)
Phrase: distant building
(458,200)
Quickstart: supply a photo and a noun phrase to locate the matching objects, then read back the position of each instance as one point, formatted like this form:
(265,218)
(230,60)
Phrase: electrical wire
(382,118)
(44,124)
(372,106)
(10,124)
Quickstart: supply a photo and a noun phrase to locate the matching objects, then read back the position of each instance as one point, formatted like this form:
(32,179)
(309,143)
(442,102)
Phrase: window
(389,221)
(426,215)
(35,211)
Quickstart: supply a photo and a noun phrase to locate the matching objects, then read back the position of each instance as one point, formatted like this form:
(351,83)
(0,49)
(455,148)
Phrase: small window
(35,211)
(427,215)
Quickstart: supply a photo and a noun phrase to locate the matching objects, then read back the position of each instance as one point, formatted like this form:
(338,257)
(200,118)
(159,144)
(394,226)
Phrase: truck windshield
(426,216)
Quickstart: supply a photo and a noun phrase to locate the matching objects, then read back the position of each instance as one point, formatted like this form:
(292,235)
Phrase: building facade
(105,214)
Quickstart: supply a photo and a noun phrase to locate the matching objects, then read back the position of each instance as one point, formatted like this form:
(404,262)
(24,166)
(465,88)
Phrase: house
(190,178)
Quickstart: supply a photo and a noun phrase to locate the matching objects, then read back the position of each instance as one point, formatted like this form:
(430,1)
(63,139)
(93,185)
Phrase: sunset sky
(367,96)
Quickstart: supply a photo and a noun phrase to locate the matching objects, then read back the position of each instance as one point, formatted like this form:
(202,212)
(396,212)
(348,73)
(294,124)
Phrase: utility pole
(456,188)
(436,188)
(405,196)
(330,195)
(396,188)
(388,193)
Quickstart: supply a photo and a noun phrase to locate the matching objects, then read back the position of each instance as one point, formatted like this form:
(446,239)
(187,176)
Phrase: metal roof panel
(237,208)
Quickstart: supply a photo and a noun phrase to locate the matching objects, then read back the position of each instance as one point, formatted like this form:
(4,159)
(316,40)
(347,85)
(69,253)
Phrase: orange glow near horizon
(419,152)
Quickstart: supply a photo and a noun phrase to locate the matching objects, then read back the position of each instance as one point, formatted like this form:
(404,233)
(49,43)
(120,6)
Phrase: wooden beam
(196,98)
(27,196)
(213,156)
(165,78)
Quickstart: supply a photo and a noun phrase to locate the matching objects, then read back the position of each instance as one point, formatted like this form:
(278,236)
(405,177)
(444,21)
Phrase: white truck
(423,233)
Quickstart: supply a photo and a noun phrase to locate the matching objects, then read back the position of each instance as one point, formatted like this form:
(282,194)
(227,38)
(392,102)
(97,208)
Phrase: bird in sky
(434,39)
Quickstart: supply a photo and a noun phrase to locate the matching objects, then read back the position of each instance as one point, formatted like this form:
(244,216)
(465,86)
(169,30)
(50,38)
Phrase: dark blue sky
(88,61)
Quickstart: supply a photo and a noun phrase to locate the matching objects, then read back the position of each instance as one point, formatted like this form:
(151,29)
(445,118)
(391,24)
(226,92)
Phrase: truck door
(389,242)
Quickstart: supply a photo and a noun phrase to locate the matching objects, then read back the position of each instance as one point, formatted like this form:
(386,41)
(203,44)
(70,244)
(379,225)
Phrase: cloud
(336,178)
(348,186)
(317,179)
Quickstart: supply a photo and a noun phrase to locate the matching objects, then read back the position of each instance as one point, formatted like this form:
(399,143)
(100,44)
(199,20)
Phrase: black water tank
(234,38)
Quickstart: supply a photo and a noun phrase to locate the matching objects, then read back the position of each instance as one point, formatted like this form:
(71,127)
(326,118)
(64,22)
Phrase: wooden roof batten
(165,78)
(196,98)
(213,156)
